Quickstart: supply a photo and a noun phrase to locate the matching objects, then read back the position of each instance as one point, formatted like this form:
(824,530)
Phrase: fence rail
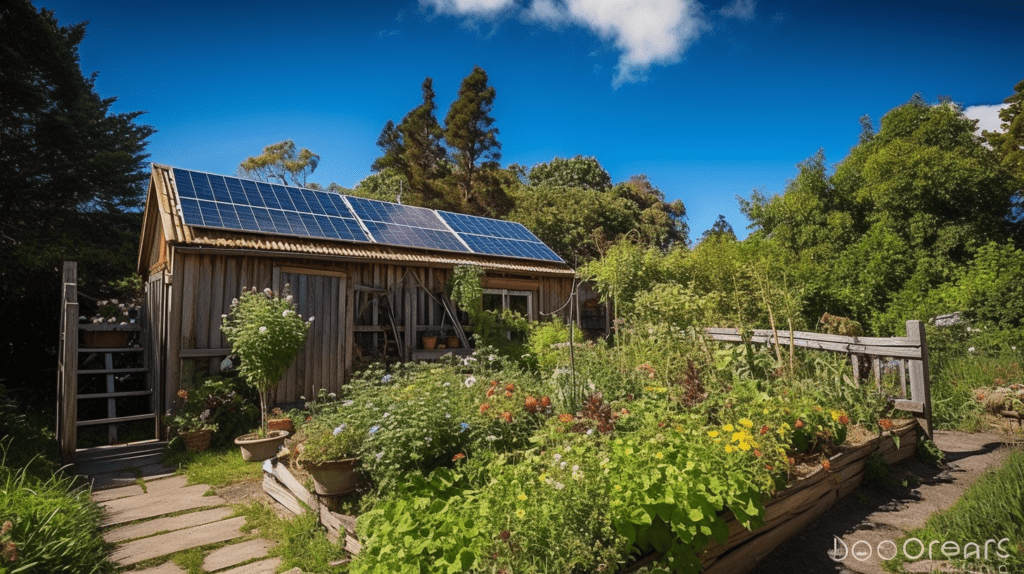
(910,353)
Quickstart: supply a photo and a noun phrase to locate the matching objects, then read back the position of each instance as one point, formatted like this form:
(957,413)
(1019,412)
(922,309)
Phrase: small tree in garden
(265,333)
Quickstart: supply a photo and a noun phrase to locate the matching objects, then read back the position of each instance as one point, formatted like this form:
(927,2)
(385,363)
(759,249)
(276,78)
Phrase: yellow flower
(679,428)
(521,497)
(728,448)
(728,428)
(520,513)
(738,436)
(764,412)
(617,487)
(835,415)
(713,433)
(747,423)
(659,456)
(744,446)
(543,477)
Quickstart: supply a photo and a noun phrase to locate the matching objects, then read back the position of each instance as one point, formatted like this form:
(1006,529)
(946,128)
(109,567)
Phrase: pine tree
(473,141)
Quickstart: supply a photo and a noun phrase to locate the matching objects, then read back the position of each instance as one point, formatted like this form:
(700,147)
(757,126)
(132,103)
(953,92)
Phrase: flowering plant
(116,312)
(265,333)
(324,443)
(185,422)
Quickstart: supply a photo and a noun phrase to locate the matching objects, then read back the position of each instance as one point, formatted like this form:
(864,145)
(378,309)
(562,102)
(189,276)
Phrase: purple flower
(374,429)
(464,426)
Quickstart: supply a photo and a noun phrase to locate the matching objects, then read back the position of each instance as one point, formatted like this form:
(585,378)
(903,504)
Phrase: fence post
(67,398)
(920,381)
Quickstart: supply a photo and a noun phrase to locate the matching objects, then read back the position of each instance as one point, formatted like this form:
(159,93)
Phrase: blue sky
(710,100)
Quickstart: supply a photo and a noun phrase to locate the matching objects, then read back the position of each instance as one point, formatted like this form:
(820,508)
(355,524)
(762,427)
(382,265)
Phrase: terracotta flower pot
(334,477)
(105,339)
(284,424)
(256,449)
(452,342)
(429,343)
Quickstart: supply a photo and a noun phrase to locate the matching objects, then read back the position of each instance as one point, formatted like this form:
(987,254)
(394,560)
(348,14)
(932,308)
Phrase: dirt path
(874,515)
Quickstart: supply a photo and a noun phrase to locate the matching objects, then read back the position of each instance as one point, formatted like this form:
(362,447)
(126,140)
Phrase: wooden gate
(102,372)
(910,354)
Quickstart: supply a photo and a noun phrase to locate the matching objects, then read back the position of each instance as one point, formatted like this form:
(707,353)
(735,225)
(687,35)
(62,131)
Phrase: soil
(874,513)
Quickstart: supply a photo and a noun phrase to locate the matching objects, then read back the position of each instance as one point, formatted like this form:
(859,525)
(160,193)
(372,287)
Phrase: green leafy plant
(265,333)
(220,403)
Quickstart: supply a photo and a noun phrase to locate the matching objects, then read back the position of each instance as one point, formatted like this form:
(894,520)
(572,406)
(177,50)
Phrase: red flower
(791,461)
(504,535)
(886,424)
(494,383)
(508,394)
(764,429)
(768,466)
(843,419)
(565,418)
(826,465)
(507,416)
(799,423)
(757,452)
(458,457)
(484,407)
(545,402)
(510,387)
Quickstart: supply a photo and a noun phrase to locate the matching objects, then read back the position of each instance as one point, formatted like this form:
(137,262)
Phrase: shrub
(265,333)
(220,402)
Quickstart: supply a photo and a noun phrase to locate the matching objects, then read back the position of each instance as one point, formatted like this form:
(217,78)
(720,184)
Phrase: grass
(301,541)
(216,468)
(991,509)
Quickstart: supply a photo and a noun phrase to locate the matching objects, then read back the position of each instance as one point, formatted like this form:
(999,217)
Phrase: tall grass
(991,509)
(49,525)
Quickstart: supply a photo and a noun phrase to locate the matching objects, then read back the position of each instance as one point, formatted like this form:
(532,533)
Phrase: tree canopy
(280,161)
(72,179)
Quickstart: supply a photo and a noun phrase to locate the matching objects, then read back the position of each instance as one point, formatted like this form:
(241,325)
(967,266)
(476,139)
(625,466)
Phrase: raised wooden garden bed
(792,509)
(283,487)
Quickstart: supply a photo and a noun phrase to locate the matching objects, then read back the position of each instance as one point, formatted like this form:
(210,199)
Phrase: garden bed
(786,513)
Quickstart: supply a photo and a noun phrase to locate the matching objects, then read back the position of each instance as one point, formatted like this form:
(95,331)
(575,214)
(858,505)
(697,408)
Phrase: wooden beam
(920,382)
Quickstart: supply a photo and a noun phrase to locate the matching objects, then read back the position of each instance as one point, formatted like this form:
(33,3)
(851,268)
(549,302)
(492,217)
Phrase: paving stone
(148,505)
(163,544)
(268,566)
(165,568)
(236,554)
(168,524)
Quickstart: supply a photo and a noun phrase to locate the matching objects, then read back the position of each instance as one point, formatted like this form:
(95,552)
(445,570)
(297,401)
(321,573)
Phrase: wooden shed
(373,276)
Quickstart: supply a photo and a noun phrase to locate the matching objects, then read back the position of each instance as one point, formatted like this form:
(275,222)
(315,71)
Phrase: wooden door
(321,363)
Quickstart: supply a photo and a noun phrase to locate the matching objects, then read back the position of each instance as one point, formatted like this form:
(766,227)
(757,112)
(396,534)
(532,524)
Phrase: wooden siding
(202,286)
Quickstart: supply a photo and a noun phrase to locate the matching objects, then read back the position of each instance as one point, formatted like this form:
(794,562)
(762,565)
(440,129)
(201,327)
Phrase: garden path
(167,516)
(875,515)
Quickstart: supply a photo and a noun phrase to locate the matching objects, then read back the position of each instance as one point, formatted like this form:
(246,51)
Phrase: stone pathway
(167,517)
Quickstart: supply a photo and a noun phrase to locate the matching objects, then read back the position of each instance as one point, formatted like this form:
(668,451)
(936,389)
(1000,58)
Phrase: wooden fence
(910,354)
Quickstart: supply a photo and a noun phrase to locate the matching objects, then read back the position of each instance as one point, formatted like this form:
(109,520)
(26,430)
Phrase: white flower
(470,381)
(559,485)
(970,349)
(447,415)
(558,457)
(263,329)
(234,302)
(380,454)
(492,438)
(340,429)
(386,415)
(428,439)
(446,385)
(286,312)
(311,319)
(223,316)
(568,448)
(332,396)
(590,431)
(561,464)
(492,357)
(288,298)
(347,403)
(268,292)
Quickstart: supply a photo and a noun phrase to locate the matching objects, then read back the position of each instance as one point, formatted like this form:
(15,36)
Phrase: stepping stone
(169,524)
(155,504)
(163,544)
(152,487)
(236,554)
(165,568)
(268,566)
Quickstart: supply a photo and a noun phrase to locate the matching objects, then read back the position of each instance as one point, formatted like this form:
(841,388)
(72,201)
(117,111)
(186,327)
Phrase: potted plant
(429,340)
(265,333)
(451,341)
(329,455)
(195,429)
(111,314)
(280,421)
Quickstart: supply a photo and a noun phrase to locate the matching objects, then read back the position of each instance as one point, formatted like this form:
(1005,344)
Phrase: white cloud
(987,116)
(646,32)
(742,9)
(476,7)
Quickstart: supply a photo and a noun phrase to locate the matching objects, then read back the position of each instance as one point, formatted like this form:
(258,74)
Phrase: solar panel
(395,224)
(497,237)
(224,202)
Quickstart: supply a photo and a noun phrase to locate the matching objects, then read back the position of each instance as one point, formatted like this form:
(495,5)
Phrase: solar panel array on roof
(497,237)
(222,202)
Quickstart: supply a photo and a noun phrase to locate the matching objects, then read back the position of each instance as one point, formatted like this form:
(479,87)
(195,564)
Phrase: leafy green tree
(280,161)
(387,185)
(659,223)
(472,138)
(720,228)
(1009,144)
(579,172)
(414,149)
(72,180)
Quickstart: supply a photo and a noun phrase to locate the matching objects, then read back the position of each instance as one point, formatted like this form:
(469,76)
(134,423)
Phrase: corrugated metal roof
(177,232)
